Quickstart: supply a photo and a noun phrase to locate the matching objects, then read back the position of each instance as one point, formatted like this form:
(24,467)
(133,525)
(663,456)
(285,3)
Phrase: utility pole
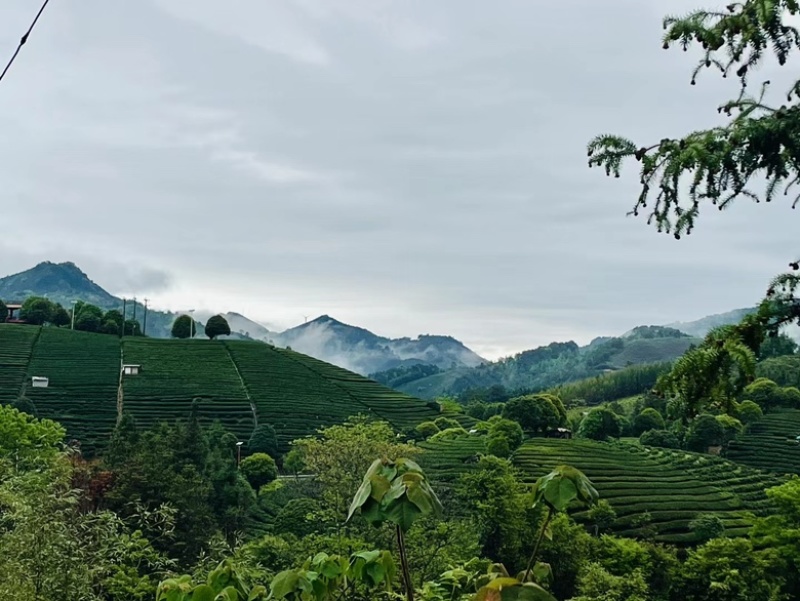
(124,315)
(72,321)
(144,326)
(239,453)
(134,308)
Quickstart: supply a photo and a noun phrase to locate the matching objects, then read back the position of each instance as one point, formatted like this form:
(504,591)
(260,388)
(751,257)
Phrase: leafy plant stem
(401,547)
(538,544)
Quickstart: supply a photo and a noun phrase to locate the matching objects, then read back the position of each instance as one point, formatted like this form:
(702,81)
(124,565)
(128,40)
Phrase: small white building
(40,382)
(131,369)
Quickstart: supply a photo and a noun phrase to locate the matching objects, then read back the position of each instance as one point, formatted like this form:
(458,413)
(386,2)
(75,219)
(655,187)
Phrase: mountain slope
(60,282)
(240,383)
(325,338)
(64,283)
(702,326)
(364,352)
(548,366)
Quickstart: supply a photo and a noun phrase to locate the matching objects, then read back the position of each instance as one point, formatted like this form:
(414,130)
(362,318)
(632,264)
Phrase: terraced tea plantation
(297,394)
(673,487)
(445,460)
(771,444)
(16,344)
(176,372)
(84,376)
(236,382)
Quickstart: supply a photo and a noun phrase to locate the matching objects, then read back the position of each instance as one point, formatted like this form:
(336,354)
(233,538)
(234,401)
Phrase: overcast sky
(409,166)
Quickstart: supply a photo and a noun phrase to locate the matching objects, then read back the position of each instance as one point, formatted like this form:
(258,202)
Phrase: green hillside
(83,370)
(673,487)
(16,344)
(240,383)
(175,372)
(548,366)
(770,444)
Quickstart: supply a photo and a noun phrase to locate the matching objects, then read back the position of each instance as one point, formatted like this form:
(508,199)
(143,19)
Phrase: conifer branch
(718,164)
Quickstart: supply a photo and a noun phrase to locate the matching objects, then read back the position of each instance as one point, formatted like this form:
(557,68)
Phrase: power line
(23,40)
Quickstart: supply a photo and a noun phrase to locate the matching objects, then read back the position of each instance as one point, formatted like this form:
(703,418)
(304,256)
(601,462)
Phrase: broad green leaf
(203,593)
(228,594)
(374,468)
(396,492)
(371,511)
(361,496)
(420,498)
(510,589)
(542,572)
(380,487)
(403,513)
(375,572)
(367,555)
(319,590)
(409,464)
(503,582)
(258,592)
(560,492)
(284,583)
(388,470)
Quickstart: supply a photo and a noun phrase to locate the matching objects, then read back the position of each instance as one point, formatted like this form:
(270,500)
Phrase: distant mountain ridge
(444,364)
(324,338)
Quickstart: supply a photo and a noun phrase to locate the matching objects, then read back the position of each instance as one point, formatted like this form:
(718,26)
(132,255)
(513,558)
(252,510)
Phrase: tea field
(297,394)
(83,370)
(240,383)
(671,487)
(176,372)
(770,443)
(16,344)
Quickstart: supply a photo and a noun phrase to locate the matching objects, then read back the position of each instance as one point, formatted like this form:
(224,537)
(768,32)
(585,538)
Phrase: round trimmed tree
(182,327)
(217,325)
(259,469)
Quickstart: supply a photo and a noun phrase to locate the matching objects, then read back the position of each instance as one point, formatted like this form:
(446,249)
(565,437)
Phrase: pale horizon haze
(408,167)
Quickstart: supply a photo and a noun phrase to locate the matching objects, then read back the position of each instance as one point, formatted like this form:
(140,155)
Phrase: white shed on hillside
(40,382)
(131,369)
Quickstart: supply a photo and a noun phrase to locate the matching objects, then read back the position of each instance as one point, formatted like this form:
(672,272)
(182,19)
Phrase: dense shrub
(297,517)
(498,446)
(764,393)
(449,434)
(790,397)
(259,469)
(705,431)
(731,427)
(707,526)
(443,423)
(264,440)
(748,412)
(536,412)
(600,424)
(648,419)
(508,429)
(660,438)
(426,429)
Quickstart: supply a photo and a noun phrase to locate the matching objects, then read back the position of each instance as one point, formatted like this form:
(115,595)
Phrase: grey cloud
(426,159)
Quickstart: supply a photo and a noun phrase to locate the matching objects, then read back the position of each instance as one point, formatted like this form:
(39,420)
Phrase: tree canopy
(759,143)
(217,325)
(182,327)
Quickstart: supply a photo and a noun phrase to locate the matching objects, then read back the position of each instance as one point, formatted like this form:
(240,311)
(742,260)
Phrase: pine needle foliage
(718,165)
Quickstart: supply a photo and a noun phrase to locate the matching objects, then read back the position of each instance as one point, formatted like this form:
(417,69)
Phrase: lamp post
(191,323)
(72,320)
(238,453)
